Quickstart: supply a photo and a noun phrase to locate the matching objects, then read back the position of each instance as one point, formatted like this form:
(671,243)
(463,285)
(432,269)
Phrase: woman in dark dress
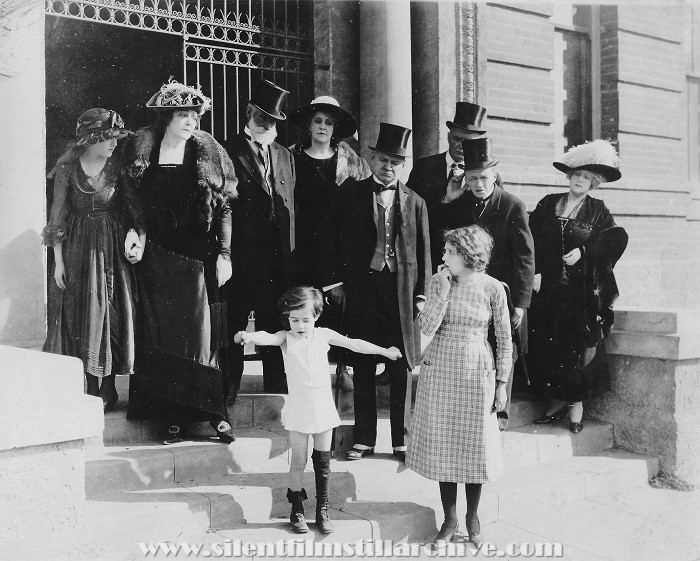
(185,181)
(576,247)
(91,302)
(322,163)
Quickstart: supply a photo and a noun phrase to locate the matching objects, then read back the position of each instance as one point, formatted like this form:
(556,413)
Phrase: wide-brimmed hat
(97,125)
(477,153)
(468,116)
(344,125)
(269,98)
(393,139)
(598,156)
(176,96)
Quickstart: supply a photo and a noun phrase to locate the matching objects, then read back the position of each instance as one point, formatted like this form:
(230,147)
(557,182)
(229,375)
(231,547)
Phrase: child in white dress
(309,408)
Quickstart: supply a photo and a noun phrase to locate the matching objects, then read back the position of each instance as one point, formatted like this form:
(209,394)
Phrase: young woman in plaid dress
(454,433)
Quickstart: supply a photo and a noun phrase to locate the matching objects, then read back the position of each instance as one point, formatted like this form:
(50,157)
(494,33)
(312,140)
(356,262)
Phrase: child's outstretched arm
(260,338)
(363,347)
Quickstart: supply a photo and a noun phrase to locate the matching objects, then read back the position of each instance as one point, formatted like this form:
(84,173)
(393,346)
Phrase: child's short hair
(474,245)
(298,297)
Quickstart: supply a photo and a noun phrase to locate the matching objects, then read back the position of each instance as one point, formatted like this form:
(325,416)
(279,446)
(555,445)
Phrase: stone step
(664,333)
(374,498)
(254,409)
(645,319)
(265,448)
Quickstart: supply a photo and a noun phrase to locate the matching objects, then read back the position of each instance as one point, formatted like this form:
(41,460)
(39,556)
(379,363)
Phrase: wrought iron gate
(226,45)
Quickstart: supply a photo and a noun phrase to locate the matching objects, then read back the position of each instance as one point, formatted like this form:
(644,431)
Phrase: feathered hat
(598,156)
(173,96)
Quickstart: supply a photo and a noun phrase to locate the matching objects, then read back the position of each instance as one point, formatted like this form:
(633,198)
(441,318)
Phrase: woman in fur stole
(577,244)
(322,164)
(185,181)
(91,302)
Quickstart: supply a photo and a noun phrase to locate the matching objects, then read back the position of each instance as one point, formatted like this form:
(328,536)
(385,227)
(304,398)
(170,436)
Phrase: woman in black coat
(576,247)
(185,182)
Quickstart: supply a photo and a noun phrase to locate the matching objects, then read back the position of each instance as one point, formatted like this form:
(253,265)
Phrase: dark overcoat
(600,252)
(513,257)
(261,248)
(349,236)
(428,179)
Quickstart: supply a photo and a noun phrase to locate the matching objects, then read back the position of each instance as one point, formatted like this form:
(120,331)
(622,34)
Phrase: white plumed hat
(598,156)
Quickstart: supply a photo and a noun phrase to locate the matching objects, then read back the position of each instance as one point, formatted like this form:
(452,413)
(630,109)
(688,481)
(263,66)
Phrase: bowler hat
(176,96)
(393,139)
(269,97)
(468,116)
(477,153)
(345,124)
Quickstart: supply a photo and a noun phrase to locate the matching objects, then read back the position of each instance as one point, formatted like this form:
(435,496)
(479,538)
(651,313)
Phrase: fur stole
(216,178)
(350,165)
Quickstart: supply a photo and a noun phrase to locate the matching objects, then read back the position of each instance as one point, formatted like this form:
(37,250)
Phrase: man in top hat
(376,259)
(262,240)
(433,176)
(502,215)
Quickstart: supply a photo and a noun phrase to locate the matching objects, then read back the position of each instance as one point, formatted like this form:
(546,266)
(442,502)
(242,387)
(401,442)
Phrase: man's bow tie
(378,187)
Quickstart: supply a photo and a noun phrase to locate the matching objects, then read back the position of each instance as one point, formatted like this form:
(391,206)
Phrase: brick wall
(643,110)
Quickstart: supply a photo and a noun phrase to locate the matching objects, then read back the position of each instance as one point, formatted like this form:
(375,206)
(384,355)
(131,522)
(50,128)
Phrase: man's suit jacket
(429,180)
(261,249)
(349,237)
(513,256)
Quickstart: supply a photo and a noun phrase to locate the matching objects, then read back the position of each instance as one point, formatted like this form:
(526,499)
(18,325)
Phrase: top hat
(344,125)
(97,125)
(468,116)
(477,153)
(176,96)
(269,97)
(392,139)
(598,156)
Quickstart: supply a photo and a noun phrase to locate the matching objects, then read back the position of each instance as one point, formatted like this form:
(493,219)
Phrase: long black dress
(179,374)
(572,313)
(315,190)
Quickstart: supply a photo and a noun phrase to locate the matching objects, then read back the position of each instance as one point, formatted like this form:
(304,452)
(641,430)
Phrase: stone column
(385,69)
(22,173)
(442,44)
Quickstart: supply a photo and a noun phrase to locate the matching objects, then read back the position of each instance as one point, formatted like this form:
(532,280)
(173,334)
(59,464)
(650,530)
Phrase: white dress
(309,407)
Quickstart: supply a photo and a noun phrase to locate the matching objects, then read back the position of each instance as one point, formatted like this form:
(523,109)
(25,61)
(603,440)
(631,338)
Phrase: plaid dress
(454,433)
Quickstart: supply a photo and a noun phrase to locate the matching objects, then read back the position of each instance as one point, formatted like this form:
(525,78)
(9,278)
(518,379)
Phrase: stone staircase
(138,490)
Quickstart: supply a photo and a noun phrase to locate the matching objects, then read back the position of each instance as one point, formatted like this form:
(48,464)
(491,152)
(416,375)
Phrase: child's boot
(296,517)
(322,471)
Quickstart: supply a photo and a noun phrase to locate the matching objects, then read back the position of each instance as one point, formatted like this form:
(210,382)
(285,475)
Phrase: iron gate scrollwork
(227,45)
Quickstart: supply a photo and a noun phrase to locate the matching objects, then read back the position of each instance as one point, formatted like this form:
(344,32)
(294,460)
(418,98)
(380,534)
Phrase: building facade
(550,74)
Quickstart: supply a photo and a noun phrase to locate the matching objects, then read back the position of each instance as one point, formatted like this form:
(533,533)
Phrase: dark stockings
(448,496)
(473,491)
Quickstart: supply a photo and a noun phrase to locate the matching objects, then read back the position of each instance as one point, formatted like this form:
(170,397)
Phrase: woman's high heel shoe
(446,533)
(224,431)
(556,416)
(474,531)
(175,434)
